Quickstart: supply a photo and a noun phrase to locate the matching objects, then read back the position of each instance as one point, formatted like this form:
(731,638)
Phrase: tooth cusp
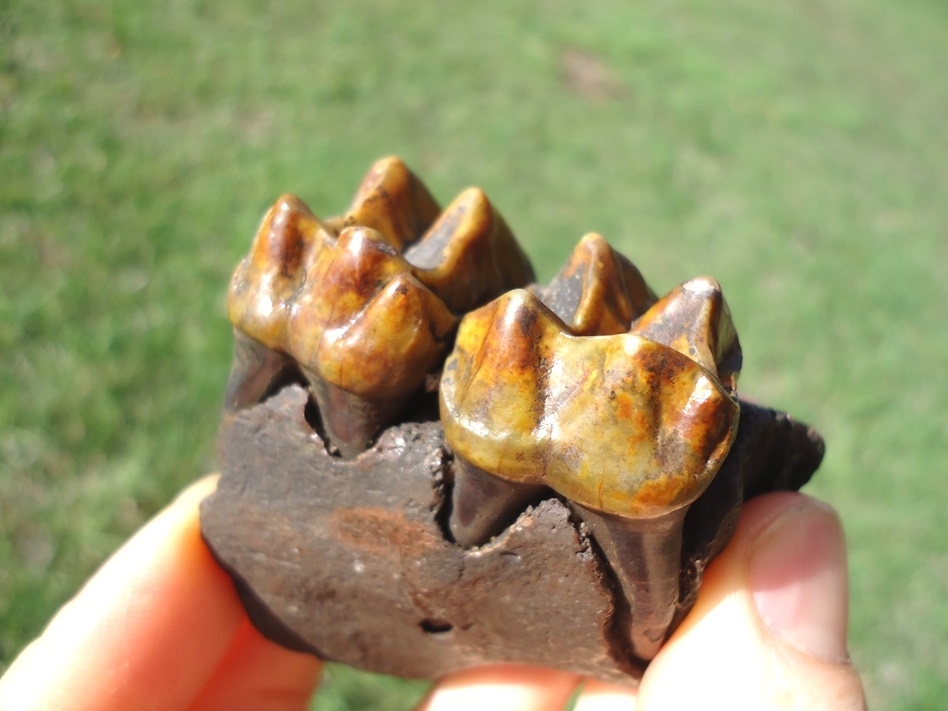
(695,320)
(598,291)
(365,320)
(264,283)
(469,255)
(617,423)
(393,201)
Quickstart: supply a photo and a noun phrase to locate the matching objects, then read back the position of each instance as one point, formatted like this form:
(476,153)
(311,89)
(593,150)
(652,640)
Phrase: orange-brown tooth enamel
(629,430)
(264,283)
(261,293)
(366,325)
(393,201)
(694,319)
(469,255)
(598,291)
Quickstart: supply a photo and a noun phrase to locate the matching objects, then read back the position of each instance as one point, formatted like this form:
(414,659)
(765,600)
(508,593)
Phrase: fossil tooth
(694,319)
(469,255)
(598,291)
(366,325)
(628,429)
(264,283)
(392,201)
(261,293)
(366,333)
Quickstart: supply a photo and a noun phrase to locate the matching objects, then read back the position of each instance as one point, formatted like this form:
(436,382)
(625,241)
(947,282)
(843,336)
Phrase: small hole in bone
(435,626)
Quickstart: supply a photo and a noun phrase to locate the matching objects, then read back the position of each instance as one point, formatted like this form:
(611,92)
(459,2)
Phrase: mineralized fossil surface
(431,462)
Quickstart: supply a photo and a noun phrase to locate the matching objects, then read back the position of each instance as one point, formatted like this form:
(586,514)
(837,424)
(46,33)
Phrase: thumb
(769,628)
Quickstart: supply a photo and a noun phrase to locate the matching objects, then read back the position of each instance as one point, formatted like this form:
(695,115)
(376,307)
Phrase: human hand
(160,626)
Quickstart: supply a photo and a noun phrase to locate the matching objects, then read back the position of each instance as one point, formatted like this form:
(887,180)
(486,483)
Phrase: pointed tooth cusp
(629,430)
(264,283)
(695,320)
(366,333)
(393,201)
(598,291)
(620,423)
(469,255)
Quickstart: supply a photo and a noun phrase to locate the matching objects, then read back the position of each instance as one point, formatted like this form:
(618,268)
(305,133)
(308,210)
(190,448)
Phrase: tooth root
(351,421)
(645,555)
(483,505)
(256,370)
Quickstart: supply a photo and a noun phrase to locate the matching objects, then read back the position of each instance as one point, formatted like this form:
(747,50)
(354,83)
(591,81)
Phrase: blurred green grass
(796,152)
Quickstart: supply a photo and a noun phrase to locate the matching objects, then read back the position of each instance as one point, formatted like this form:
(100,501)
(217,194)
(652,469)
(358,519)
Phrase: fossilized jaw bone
(366,325)
(628,429)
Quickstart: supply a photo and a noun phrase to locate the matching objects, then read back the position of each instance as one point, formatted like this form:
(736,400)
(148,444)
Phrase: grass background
(795,151)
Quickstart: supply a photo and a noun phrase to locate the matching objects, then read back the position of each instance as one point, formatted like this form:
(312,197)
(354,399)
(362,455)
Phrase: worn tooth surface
(366,333)
(598,291)
(622,426)
(694,319)
(469,255)
(366,325)
(393,201)
(261,295)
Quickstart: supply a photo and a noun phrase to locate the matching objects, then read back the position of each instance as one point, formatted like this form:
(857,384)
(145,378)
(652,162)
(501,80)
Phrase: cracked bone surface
(365,304)
(630,428)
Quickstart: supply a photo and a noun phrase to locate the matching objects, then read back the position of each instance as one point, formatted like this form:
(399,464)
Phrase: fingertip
(798,580)
(259,674)
(769,627)
(600,696)
(150,625)
(502,688)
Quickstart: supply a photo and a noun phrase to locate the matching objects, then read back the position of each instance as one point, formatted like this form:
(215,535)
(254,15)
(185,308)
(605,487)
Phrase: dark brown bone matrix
(432,463)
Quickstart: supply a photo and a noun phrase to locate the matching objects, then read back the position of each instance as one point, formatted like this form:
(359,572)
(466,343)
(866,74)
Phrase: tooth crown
(621,424)
(265,283)
(393,201)
(367,303)
(598,292)
(364,322)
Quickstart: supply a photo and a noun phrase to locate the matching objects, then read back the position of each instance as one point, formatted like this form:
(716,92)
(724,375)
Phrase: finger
(502,688)
(769,628)
(260,675)
(147,631)
(600,696)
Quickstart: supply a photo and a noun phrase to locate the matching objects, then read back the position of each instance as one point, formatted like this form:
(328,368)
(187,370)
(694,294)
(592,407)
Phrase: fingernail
(799,580)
